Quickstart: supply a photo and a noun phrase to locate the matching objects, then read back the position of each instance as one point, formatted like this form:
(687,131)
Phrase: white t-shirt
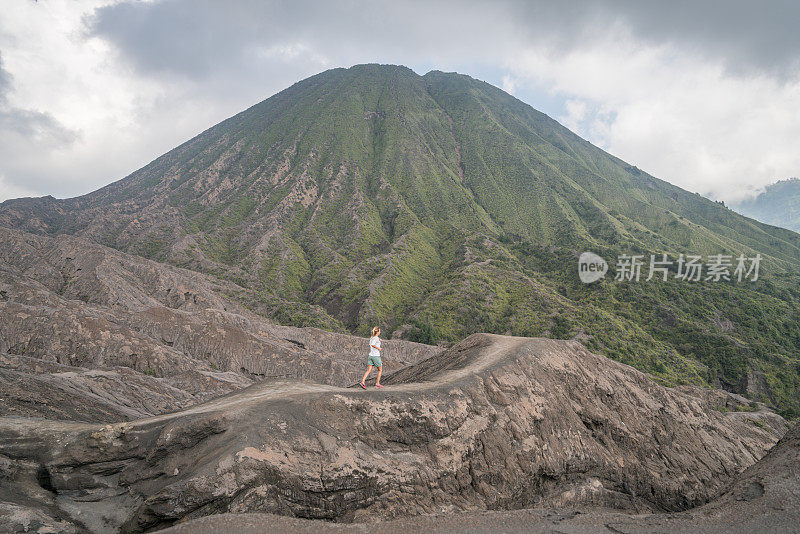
(375,340)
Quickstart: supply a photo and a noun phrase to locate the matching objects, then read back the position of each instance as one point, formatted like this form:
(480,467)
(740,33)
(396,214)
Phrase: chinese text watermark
(689,267)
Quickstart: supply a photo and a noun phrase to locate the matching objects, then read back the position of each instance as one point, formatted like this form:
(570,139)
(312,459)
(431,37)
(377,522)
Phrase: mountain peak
(436,205)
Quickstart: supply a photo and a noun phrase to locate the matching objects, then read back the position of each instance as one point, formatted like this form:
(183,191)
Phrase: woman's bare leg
(369,369)
(378,380)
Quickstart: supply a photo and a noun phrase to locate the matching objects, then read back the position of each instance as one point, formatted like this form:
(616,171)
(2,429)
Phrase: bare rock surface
(93,334)
(33,388)
(494,423)
(765,498)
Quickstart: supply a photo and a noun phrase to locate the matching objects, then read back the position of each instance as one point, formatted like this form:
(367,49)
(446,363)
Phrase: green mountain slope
(779,205)
(438,206)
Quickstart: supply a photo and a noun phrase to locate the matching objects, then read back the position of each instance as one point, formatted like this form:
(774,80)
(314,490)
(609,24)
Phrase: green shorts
(375,360)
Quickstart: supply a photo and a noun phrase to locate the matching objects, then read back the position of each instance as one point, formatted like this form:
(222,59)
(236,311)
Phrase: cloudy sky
(705,95)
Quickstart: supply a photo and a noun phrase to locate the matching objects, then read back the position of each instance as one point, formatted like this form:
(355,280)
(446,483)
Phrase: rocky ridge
(764,498)
(493,423)
(93,334)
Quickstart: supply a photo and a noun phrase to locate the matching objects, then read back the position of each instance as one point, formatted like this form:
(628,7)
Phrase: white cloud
(576,114)
(117,119)
(509,84)
(293,52)
(8,190)
(679,117)
(106,100)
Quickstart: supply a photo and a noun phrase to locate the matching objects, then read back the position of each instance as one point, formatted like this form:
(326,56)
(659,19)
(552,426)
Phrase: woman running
(374,359)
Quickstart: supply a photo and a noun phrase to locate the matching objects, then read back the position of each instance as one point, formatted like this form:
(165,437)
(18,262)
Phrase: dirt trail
(283,389)
(493,422)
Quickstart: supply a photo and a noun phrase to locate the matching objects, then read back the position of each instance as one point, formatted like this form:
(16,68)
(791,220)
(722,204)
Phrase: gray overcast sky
(705,95)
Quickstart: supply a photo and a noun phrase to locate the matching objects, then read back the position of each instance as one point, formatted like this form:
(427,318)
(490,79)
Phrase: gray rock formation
(492,423)
(88,333)
(765,498)
(38,388)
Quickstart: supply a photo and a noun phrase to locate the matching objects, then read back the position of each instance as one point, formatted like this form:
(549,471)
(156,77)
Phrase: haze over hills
(778,204)
(438,206)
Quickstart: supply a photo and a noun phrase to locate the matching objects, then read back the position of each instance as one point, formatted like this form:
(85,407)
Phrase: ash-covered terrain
(180,349)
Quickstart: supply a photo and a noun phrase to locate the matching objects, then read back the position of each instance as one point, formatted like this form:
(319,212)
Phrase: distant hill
(438,206)
(778,205)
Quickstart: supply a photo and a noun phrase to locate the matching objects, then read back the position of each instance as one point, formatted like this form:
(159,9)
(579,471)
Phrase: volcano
(439,206)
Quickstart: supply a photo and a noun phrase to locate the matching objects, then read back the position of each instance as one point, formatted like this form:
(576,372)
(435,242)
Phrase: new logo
(591,267)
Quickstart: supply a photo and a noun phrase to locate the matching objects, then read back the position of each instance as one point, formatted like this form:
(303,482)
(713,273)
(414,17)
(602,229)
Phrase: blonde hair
(376,330)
